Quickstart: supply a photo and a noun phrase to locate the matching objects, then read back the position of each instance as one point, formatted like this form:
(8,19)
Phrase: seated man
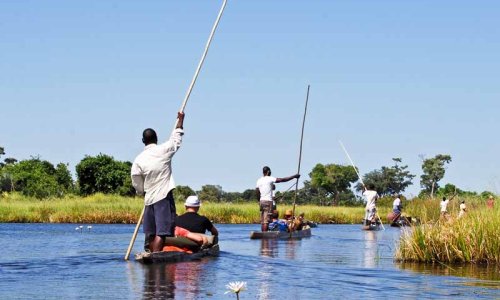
(293,223)
(277,224)
(194,222)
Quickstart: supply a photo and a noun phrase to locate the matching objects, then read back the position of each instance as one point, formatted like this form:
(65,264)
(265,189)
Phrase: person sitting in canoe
(277,224)
(371,199)
(194,222)
(294,224)
(264,191)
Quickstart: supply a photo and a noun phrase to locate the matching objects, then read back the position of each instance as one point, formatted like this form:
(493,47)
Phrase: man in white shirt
(152,176)
(463,209)
(371,197)
(265,195)
(444,207)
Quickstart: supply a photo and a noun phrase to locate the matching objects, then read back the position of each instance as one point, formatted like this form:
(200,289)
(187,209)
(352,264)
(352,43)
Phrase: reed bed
(474,238)
(100,208)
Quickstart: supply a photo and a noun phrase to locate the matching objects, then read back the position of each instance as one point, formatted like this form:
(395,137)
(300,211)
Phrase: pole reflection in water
(370,249)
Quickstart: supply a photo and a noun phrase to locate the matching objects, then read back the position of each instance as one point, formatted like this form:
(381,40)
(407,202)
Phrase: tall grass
(101,208)
(474,238)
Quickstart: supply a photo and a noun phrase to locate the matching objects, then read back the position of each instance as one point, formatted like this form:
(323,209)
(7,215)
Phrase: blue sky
(388,78)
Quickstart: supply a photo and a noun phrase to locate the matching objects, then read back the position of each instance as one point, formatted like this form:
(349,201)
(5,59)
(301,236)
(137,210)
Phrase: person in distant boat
(491,202)
(194,222)
(397,207)
(463,209)
(152,177)
(277,224)
(444,207)
(265,194)
(371,197)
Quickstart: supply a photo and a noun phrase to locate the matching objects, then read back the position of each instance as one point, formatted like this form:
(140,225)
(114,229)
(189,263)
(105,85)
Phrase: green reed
(100,208)
(474,238)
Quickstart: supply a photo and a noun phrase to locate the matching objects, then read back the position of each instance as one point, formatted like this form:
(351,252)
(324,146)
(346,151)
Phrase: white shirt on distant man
(444,205)
(265,186)
(371,198)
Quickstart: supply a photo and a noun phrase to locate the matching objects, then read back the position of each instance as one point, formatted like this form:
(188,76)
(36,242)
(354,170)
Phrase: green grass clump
(474,238)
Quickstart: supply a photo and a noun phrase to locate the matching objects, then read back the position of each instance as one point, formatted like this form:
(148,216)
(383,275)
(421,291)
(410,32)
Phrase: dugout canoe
(371,226)
(178,256)
(280,235)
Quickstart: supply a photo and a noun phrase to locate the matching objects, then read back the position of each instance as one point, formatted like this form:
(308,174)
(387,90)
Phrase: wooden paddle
(188,93)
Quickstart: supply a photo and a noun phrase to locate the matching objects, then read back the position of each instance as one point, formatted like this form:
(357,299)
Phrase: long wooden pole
(183,106)
(359,176)
(300,150)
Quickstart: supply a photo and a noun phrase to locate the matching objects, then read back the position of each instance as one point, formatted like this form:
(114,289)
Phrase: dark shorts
(159,217)
(266,210)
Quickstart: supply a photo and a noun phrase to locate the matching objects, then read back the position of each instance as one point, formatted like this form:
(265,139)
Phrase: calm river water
(55,261)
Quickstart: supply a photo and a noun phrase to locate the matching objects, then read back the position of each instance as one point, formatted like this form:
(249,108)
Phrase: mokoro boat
(371,226)
(175,256)
(405,221)
(281,235)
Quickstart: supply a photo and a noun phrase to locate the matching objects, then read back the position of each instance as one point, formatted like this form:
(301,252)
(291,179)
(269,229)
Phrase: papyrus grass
(474,238)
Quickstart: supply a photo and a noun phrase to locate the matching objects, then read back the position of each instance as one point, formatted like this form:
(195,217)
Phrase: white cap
(192,201)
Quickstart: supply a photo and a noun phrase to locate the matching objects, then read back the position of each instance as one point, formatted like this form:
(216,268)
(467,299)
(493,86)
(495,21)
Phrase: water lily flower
(236,287)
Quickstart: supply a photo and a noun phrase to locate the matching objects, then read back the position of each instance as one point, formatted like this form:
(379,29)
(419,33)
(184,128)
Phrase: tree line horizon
(329,184)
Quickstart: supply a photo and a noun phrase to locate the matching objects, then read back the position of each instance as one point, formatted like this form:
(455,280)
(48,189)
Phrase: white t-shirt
(265,186)
(396,203)
(462,210)
(444,204)
(371,198)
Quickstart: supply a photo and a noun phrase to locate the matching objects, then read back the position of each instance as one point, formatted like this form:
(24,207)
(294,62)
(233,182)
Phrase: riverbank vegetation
(473,238)
(101,208)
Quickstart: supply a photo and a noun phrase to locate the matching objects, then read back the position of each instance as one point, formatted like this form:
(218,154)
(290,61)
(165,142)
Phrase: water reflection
(370,249)
(165,281)
(482,272)
(269,247)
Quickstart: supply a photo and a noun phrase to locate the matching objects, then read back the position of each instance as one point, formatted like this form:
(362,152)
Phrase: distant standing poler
(371,197)
(397,207)
(264,191)
(491,202)
(444,207)
(152,176)
(463,209)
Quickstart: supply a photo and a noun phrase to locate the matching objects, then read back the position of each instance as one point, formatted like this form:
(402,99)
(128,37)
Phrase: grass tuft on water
(474,238)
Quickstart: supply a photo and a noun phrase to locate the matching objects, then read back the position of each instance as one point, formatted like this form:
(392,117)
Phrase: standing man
(371,197)
(152,175)
(397,207)
(491,202)
(444,207)
(463,209)
(265,194)
(194,222)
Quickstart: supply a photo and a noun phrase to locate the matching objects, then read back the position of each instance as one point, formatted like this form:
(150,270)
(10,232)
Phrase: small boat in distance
(281,235)
(374,226)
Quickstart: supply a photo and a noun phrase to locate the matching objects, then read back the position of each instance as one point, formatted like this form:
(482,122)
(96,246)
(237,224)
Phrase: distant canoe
(280,235)
(371,226)
(175,256)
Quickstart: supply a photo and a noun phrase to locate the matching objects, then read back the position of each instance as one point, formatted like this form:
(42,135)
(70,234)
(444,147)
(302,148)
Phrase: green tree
(333,179)
(434,170)
(181,192)
(35,177)
(102,173)
(211,193)
(389,180)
